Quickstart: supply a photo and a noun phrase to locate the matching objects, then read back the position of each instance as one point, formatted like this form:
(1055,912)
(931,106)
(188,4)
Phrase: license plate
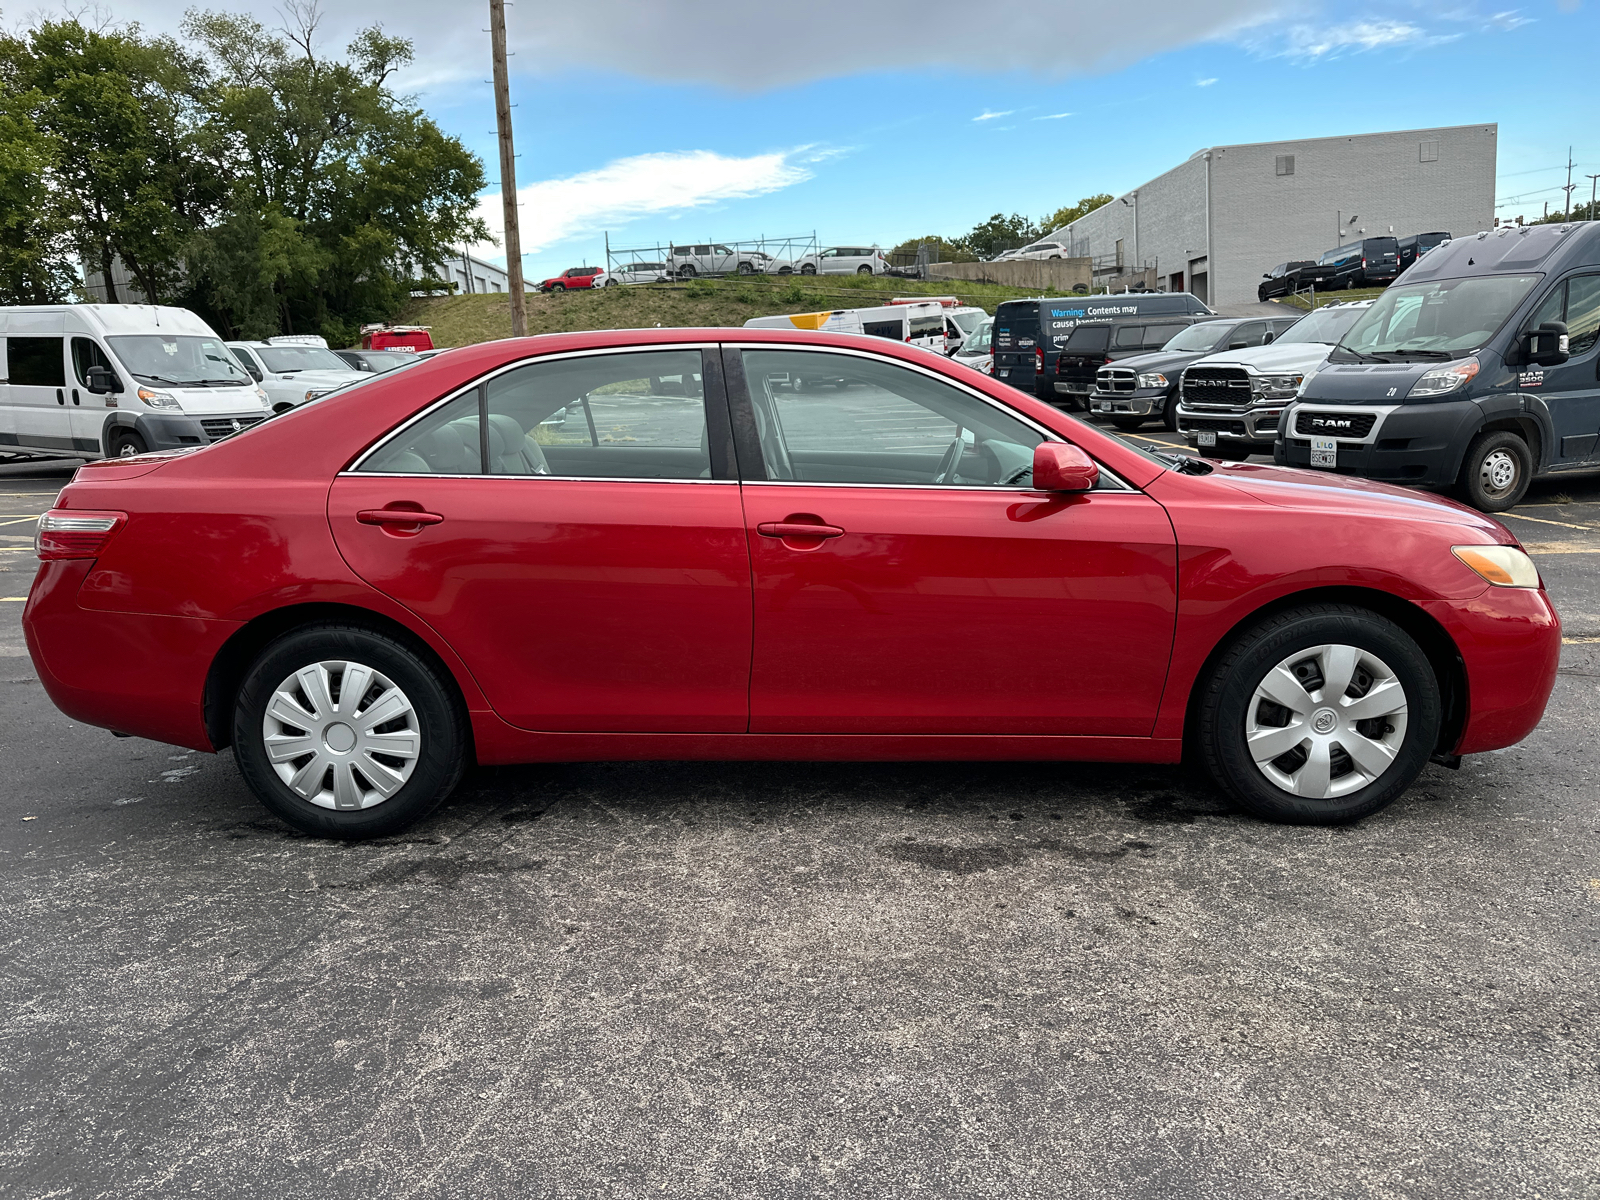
(1004,371)
(1207,438)
(1324,452)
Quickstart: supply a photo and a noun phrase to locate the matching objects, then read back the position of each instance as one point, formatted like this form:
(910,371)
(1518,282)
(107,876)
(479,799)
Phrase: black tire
(436,707)
(1128,424)
(1169,415)
(746,269)
(1494,455)
(686,271)
(125,443)
(558,287)
(1229,690)
(863,270)
(808,269)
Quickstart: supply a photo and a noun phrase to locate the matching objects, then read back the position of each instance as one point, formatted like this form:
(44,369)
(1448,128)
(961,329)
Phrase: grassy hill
(465,320)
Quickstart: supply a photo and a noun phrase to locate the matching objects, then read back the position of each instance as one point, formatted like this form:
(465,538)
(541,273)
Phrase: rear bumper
(1510,644)
(137,674)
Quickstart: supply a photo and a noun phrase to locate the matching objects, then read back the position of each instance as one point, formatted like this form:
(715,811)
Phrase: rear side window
(1088,339)
(36,361)
(1129,335)
(884,329)
(1156,336)
(603,416)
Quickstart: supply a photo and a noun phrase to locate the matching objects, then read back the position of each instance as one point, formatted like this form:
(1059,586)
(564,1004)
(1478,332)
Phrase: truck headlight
(1276,387)
(1445,379)
(1153,380)
(158,399)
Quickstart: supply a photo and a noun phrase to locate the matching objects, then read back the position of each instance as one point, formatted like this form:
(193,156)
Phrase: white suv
(843,260)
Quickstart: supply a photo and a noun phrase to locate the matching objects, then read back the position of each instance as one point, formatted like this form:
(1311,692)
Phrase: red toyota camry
(740,544)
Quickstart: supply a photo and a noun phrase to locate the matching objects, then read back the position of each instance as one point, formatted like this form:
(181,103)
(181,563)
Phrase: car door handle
(397,516)
(797,529)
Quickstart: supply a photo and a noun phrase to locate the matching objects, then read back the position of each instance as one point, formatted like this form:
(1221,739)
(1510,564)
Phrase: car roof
(1511,249)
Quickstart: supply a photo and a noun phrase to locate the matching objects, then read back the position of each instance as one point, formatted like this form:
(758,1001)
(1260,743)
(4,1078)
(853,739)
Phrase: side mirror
(1267,341)
(1063,467)
(102,381)
(1267,275)
(1238,345)
(1547,345)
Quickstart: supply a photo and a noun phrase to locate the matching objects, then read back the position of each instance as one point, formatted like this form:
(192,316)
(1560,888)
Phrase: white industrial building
(1216,223)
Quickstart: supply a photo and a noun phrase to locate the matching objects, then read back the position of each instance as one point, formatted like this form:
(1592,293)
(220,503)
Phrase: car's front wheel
(1319,715)
(126,443)
(863,270)
(686,271)
(345,732)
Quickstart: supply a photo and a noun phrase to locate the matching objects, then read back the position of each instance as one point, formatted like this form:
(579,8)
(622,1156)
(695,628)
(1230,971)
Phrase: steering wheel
(951,460)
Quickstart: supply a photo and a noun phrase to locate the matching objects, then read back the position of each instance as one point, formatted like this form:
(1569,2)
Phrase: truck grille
(1344,425)
(220,427)
(1218,388)
(1115,379)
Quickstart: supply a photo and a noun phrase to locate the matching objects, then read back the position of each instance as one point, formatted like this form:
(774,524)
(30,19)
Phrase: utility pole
(508,169)
(1592,215)
(1570,184)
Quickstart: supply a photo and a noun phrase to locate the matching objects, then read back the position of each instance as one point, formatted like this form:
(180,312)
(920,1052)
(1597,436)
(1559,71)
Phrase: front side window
(1196,338)
(181,360)
(836,418)
(286,359)
(1576,302)
(86,353)
(606,416)
(1447,318)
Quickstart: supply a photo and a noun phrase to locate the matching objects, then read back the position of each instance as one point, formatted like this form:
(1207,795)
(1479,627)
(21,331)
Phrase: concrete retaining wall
(1055,275)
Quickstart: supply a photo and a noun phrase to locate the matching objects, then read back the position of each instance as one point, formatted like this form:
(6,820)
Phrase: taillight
(1038,360)
(1363,264)
(75,533)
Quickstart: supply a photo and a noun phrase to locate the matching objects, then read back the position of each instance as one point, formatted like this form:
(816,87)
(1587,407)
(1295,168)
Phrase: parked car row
(1370,262)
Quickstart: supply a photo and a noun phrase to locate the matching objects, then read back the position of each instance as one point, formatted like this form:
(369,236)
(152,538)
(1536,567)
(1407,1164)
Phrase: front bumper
(1420,444)
(1147,402)
(1256,426)
(182,431)
(1509,640)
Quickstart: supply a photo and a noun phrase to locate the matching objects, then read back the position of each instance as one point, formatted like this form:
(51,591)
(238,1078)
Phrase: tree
(998,233)
(129,178)
(35,252)
(341,191)
(1069,214)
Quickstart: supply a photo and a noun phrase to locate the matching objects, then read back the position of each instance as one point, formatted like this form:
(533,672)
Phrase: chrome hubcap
(1326,721)
(1498,472)
(341,735)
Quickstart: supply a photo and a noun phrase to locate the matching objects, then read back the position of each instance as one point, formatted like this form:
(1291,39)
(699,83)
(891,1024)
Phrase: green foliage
(35,253)
(1069,214)
(792,292)
(1000,232)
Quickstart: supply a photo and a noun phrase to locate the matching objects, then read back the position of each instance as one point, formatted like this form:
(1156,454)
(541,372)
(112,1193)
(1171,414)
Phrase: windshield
(1326,325)
(979,340)
(179,360)
(1447,318)
(968,321)
(1199,337)
(300,358)
(1088,338)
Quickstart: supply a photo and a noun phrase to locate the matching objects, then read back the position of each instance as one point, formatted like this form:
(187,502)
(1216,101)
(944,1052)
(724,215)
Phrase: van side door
(34,415)
(1570,392)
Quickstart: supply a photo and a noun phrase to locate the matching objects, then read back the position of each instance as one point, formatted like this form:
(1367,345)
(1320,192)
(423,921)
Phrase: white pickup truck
(294,368)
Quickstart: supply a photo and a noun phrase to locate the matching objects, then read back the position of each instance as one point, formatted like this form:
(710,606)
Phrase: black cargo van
(1418,244)
(1477,371)
(1029,334)
(1371,262)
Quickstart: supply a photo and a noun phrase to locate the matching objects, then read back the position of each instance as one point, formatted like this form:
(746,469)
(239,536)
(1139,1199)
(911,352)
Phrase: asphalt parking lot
(795,980)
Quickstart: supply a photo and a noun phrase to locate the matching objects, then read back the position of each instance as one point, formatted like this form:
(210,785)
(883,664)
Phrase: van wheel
(863,270)
(1496,472)
(1319,715)
(343,732)
(808,269)
(125,443)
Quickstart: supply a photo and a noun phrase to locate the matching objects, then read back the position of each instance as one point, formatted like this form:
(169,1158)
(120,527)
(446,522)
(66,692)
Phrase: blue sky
(718,119)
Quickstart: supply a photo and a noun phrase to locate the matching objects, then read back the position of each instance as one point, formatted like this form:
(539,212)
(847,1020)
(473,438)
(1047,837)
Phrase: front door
(87,409)
(939,594)
(580,541)
(1571,391)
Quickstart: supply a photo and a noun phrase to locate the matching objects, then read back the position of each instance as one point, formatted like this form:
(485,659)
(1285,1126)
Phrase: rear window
(1016,325)
(1088,339)
(1376,246)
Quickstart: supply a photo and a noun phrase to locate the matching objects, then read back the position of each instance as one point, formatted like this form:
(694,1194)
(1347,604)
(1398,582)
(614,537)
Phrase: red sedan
(742,544)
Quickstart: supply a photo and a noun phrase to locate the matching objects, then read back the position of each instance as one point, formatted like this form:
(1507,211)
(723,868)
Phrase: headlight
(315,392)
(1445,379)
(1153,380)
(261,393)
(1503,566)
(158,399)
(1276,387)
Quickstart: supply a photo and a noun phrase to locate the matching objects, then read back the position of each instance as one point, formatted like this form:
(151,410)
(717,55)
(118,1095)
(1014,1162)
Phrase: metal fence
(748,256)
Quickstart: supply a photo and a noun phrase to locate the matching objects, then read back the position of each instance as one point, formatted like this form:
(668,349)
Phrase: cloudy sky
(875,120)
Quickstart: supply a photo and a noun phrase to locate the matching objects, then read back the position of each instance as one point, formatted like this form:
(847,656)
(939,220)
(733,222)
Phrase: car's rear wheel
(1496,471)
(345,732)
(808,269)
(746,269)
(1319,715)
(125,443)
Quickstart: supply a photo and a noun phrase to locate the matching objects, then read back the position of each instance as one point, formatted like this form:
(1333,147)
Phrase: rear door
(1015,341)
(939,593)
(585,549)
(35,413)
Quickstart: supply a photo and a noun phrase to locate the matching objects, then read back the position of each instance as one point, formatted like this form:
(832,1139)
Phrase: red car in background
(578,279)
(916,562)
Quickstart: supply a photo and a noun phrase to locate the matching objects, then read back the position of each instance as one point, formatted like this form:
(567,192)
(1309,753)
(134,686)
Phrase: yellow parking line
(1579,641)
(13,599)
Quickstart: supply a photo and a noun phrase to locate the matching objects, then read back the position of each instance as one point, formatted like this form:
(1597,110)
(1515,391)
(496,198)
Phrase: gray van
(1477,370)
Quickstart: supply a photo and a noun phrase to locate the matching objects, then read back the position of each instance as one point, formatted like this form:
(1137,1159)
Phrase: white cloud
(986,115)
(1053,116)
(1204,82)
(1310,42)
(622,191)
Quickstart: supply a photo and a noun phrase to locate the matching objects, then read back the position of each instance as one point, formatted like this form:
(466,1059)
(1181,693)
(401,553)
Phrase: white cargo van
(921,324)
(102,380)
